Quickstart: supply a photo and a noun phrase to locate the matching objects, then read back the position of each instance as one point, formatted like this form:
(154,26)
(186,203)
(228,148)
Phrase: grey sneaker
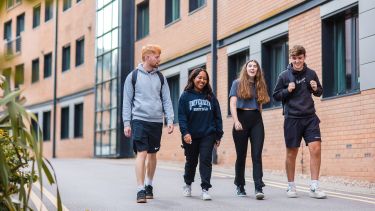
(187,190)
(291,192)
(317,193)
(205,195)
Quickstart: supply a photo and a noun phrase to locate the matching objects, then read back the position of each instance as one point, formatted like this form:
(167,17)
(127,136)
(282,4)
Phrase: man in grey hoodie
(146,101)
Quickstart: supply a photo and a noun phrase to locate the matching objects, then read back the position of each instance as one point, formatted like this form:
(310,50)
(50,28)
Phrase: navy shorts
(297,128)
(146,136)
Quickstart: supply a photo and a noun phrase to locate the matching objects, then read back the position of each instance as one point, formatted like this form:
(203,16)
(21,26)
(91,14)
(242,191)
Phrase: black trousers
(199,148)
(252,124)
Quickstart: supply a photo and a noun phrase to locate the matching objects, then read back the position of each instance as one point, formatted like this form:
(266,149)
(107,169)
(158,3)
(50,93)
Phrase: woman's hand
(217,144)
(187,139)
(237,125)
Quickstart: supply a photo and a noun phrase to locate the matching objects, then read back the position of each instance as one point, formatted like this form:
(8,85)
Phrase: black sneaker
(141,196)
(149,194)
(241,191)
(259,193)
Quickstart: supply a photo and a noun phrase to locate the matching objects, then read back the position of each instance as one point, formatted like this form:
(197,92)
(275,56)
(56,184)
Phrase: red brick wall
(345,121)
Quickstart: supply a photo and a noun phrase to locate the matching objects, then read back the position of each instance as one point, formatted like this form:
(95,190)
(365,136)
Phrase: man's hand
(291,87)
(314,85)
(187,139)
(170,128)
(127,131)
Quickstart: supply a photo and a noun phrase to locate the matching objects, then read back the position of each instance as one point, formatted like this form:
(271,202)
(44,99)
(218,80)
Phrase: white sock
(292,184)
(148,182)
(314,184)
(141,187)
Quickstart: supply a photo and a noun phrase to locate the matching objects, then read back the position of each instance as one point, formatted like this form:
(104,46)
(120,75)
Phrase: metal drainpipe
(55,83)
(214,60)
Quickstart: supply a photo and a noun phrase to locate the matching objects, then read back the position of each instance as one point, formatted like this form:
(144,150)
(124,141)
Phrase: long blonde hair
(245,90)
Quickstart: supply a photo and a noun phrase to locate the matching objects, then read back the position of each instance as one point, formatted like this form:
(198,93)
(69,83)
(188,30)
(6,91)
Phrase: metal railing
(13,47)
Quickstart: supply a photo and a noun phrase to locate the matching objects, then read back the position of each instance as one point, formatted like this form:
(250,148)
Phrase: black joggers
(252,125)
(201,148)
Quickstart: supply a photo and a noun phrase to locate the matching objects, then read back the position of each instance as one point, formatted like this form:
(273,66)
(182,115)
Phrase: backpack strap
(291,78)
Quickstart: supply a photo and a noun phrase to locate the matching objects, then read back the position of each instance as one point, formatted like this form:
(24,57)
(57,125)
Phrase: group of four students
(147,100)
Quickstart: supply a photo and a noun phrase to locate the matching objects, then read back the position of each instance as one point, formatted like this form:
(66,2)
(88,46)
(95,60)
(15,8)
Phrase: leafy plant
(21,158)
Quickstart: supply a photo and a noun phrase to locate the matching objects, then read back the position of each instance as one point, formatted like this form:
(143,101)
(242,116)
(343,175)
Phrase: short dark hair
(297,50)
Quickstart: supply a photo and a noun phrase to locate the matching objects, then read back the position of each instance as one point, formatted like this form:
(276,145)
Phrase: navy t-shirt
(244,103)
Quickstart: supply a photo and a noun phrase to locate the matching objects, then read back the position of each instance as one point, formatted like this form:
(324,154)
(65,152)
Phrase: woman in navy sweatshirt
(201,128)
(247,95)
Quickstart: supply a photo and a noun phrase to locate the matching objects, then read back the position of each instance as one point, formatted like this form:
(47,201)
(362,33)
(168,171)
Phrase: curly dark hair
(207,90)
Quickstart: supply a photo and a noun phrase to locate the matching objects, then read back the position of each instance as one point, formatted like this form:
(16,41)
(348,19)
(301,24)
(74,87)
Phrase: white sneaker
(205,195)
(317,193)
(187,190)
(291,192)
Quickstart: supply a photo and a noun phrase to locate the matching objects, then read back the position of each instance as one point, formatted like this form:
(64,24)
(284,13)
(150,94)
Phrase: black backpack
(134,81)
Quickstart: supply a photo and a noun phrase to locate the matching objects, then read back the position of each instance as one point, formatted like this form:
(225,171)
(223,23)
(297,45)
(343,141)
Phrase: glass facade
(107,84)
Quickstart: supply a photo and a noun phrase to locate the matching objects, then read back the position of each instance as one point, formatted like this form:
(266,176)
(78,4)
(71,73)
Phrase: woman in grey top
(247,95)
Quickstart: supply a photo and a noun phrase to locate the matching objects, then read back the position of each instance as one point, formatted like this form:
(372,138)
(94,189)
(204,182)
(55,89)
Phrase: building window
(340,53)
(48,12)
(47,65)
(66,58)
(35,71)
(174,87)
(8,30)
(78,120)
(172,11)
(67,4)
(143,20)
(34,126)
(78,1)
(275,60)
(80,51)
(19,77)
(11,3)
(64,123)
(235,63)
(36,16)
(6,73)
(195,4)
(20,24)
(46,126)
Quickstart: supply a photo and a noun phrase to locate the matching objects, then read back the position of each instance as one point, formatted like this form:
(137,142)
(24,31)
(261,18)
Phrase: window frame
(331,71)
(143,23)
(269,54)
(36,19)
(35,72)
(66,65)
(78,134)
(64,134)
(45,65)
(167,11)
(80,51)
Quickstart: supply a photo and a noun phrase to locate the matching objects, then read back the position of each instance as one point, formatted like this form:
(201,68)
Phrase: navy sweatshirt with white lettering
(299,102)
(199,116)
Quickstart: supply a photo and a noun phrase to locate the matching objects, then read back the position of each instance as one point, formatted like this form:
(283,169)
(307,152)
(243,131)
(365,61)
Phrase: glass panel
(99,97)
(107,42)
(114,93)
(98,140)
(115,38)
(99,26)
(105,143)
(115,14)
(99,4)
(113,118)
(105,120)
(98,121)
(114,71)
(107,18)
(113,142)
(107,67)
(99,46)
(107,95)
(99,70)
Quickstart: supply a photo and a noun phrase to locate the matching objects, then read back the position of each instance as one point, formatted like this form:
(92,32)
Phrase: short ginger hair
(150,49)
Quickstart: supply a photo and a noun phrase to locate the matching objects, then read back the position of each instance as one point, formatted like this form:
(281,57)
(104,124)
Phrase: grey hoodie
(147,103)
